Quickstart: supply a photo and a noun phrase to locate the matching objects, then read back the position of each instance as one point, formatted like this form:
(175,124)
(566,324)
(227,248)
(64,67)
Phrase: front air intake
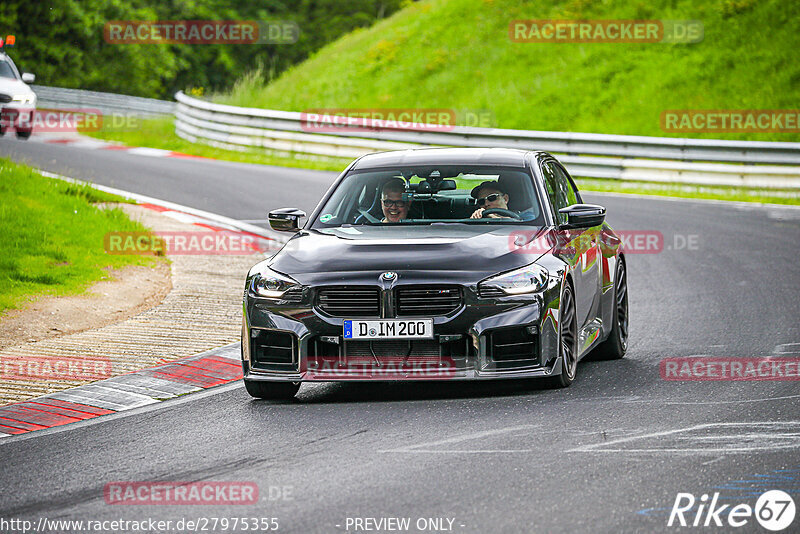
(511,344)
(273,349)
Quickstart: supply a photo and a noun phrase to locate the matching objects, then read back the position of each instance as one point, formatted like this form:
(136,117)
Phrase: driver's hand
(479,215)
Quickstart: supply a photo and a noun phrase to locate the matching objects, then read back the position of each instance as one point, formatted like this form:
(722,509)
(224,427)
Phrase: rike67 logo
(774,510)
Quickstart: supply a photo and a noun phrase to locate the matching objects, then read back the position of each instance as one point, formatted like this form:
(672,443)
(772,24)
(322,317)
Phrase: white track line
(221,219)
(424,447)
(794,444)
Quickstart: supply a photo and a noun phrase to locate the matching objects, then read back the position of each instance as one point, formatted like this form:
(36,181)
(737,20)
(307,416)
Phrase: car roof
(443,156)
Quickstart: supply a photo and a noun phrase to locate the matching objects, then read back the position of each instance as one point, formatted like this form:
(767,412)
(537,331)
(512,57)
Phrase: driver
(395,209)
(492,195)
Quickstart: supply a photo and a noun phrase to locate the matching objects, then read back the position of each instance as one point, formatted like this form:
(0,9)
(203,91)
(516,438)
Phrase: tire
(616,344)
(24,134)
(272,390)
(567,340)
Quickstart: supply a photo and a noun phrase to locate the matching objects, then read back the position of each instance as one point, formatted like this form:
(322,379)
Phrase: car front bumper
(17,116)
(486,338)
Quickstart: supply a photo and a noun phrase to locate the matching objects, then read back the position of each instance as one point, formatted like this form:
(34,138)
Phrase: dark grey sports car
(437,264)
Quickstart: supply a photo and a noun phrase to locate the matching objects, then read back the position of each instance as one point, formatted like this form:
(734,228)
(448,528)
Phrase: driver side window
(559,189)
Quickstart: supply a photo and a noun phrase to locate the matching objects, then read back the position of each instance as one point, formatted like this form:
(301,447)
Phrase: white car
(17,100)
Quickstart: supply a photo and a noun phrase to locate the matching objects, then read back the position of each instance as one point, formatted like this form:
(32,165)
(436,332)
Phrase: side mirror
(583,215)
(27,77)
(285,219)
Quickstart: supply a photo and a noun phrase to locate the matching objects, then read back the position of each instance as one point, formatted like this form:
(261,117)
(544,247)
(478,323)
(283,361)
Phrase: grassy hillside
(457,54)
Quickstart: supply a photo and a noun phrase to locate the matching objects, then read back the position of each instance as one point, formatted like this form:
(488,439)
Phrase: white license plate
(389,329)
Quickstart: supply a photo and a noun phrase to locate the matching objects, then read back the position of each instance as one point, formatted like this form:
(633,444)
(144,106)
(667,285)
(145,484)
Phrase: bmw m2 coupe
(437,264)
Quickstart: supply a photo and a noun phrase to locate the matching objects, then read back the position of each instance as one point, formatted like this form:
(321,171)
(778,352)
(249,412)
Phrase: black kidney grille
(349,301)
(427,300)
(5,98)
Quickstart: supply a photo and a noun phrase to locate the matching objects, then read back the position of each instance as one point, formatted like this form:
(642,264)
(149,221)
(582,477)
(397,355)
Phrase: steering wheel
(502,213)
(368,216)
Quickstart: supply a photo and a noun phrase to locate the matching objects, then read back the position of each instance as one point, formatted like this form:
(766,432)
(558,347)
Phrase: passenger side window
(559,189)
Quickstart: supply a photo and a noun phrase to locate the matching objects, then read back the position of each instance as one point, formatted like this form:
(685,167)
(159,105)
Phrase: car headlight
(272,285)
(24,99)
(528,279)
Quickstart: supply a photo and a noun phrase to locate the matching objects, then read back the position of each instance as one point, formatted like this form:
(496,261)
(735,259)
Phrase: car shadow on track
(423,390)
(593,376)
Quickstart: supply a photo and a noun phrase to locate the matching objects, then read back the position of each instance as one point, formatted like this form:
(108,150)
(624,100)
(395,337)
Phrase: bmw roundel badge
(389,276)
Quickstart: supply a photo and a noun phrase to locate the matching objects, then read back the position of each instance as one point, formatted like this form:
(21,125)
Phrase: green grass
(88,193)
(53,236)
(738,194)
(457,54)
(160,133)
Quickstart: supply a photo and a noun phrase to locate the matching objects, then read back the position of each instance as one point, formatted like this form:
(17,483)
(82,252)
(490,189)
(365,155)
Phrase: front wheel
(567,340)
(616,344)
(271,390)
(24,134)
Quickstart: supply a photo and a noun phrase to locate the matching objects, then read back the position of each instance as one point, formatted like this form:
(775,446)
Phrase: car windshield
(6,70)
(440,194)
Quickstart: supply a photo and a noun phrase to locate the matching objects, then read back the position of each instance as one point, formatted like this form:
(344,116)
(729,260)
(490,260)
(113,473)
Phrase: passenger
(395,209)
(492,195)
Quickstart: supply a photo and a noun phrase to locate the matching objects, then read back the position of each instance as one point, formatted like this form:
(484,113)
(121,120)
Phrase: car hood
(418,253)
(14,87)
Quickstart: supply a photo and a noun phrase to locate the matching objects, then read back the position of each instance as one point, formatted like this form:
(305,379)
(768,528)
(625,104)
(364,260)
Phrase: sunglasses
(394,203)
(488,198)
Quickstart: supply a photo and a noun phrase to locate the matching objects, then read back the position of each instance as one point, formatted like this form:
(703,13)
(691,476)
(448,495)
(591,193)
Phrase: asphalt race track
(609,454)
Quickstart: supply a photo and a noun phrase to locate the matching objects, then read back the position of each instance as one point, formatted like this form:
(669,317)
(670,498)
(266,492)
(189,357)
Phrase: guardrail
(106,103)
(623,157)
